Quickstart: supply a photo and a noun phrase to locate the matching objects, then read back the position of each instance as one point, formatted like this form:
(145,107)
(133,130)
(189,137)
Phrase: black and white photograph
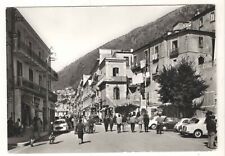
(114,78)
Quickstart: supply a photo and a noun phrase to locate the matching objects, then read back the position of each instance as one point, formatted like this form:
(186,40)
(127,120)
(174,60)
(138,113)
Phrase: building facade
(193,40)
(29,72)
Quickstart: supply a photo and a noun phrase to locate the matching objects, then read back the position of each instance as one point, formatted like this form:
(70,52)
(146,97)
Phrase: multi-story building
(29,72)
(113,78)
(186,40)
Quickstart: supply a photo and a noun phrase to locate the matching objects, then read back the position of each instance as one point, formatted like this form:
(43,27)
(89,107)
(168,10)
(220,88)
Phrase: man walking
(146,121)
(106,122)
(80,128)
(159,124)
(132,122)
(119,122)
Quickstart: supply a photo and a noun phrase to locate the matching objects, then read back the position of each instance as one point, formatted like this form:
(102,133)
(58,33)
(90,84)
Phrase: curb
(22,144)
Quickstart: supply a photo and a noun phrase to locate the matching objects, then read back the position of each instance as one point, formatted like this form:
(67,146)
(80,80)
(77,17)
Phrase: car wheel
(153,126)
(197,133)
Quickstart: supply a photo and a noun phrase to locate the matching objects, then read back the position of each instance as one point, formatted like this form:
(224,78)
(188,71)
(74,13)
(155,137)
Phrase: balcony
(35,89)
(112,79)
(29,56)
(174,53)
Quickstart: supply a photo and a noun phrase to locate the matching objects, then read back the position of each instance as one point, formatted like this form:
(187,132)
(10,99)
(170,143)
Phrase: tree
(179,85)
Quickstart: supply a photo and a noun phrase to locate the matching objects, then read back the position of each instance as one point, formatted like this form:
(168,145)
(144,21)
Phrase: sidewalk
(24,140)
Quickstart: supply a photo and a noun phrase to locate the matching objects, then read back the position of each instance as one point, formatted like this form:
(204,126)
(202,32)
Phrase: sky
(72,32)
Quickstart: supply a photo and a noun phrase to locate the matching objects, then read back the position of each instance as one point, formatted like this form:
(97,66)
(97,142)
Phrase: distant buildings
(29,72)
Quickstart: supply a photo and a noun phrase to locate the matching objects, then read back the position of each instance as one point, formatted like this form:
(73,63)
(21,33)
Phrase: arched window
(201,60)
(115,71)
(116,93)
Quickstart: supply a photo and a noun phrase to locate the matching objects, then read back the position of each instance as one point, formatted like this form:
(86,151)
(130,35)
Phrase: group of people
(123,120)
(15,128)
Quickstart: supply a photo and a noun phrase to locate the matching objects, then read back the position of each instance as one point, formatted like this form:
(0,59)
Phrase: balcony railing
(24,48)
(35,88)
(174,53)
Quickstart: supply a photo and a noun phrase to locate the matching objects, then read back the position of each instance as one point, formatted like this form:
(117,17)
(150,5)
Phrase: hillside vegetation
(71,74)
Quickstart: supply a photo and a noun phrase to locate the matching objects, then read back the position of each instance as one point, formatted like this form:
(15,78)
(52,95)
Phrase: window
(135,60)
(156,49)
(31,76)
(200,42)
(201,60)
(39,54)
(212,16)
(40,80)
(147,56)
(19,38)
(127,61)
(116,93)
(30,48)
(174,45)
(201,22)
(19,69)
(115,71)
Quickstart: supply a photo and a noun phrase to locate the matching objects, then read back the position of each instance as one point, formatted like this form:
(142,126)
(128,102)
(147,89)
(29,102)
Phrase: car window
(185,121)
(59,122)
(194,120)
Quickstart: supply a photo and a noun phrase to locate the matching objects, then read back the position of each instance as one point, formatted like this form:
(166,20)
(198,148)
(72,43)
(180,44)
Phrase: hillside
(71,74)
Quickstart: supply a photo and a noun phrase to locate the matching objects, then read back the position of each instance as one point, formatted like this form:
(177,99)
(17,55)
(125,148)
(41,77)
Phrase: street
(102,141)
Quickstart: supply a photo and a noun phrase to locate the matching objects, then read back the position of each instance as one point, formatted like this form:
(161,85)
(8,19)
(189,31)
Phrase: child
(51,138)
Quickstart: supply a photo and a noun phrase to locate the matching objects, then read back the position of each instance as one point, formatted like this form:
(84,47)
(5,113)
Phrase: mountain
(71,74)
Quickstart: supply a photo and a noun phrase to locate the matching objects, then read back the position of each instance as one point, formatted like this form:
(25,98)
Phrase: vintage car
(60,125)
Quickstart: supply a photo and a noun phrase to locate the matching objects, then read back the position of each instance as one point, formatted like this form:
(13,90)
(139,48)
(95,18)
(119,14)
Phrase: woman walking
(80,128)
(139,121)
(146,121)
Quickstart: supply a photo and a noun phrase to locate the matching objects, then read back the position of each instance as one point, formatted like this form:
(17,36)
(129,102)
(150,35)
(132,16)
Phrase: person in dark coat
(211,128)
(106,122)
(111,122)
(146,121)
(80,128)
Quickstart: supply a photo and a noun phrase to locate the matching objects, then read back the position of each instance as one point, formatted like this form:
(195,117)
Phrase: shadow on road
(39,144)
(85,142)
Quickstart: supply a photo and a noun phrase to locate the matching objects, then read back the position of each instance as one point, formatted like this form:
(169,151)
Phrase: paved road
(113,142)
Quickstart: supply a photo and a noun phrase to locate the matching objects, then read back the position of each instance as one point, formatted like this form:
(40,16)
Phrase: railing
(174,53)
(36,58)
(41,91)
(117,79)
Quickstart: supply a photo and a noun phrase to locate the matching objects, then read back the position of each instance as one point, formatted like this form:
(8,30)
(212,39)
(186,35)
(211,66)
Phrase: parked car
(197,129)
(60,125)
(153,122)
(169,123)
(178,125)
(192,120)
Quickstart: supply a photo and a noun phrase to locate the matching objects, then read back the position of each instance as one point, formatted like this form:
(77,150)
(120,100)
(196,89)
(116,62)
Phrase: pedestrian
(139,121)
(51,138)
(111,122)
(211,128)
(106,122)
(10,125)
(124,122)
(146,121)
(18,127)
(159,124)
(80,128)
(119,122)
(75,121)
(34,131)
(132,122)
(91,125)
